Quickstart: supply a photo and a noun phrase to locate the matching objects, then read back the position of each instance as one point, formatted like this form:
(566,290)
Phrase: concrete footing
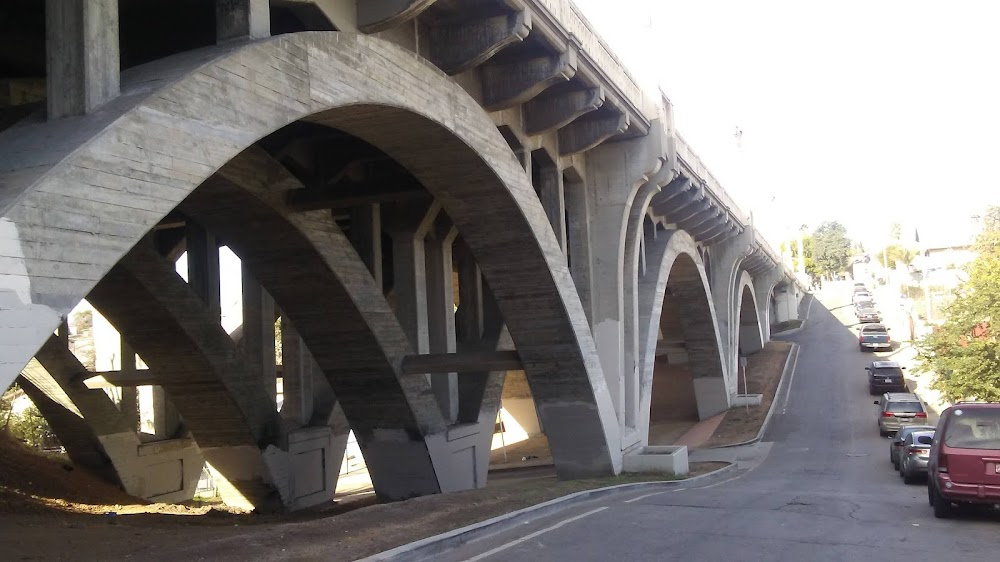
(670,459)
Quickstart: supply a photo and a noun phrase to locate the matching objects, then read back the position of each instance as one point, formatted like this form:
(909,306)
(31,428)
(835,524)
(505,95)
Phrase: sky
(865,112)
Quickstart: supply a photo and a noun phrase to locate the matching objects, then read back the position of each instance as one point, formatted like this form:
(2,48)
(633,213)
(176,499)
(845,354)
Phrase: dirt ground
(764,370)
(52,511)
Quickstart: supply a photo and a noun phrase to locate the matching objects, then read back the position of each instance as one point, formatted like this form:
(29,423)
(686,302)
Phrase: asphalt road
(825,491)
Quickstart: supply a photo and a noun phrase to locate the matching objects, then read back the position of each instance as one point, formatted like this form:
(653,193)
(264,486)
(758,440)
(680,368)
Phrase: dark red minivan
(965,458)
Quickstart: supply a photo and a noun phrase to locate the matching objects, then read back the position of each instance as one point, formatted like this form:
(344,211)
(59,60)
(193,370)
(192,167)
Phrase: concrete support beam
(409,226)
(710,215)
(691,207)
(296,376)
(366,237)
(258,331)
(237,20)
(586,133)
(578,234)
(355,194)
(379,15)
(458,47)
(464,362)
(470,314)
(511,83)
(554,110)
(129,404)
(203,267)
(718,221)
(553,196)
(733,230)
(82,55)
(441,312)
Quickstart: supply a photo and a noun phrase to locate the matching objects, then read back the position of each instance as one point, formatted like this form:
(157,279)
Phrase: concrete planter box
(747,400)
(667,459)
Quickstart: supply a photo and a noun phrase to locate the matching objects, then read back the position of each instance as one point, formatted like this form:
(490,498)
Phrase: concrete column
(82,56)
(242,19)
(578,243)
(296,376)
(441,311)
(129,404)
(258,331)
(554,201)
(408,226)
(166,420)
(469,316)
(203,267)
(366,237)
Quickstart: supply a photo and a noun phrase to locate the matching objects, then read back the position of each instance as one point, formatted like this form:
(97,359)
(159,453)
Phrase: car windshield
(974,428)
(874,329)
(905,407)
(889,372)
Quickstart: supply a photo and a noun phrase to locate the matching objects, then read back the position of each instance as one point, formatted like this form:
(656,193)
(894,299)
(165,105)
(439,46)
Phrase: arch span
(146,151)
(675,302)
(750,336)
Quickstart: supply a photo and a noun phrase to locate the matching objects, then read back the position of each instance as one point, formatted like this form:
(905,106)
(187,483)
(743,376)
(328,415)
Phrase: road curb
(424,548)
(790,362)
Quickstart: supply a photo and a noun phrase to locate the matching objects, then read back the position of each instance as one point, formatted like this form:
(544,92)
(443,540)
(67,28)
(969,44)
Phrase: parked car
(896,445)
(862,296)
(898,409)
(863,304)
(874,336)
(915,455)
(860,288)
(869,314)
(965,458)
(885,376)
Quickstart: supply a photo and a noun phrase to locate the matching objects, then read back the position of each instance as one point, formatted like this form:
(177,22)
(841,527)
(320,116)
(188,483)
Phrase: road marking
(653,494)
(791,379)
(719,483)
(503,547)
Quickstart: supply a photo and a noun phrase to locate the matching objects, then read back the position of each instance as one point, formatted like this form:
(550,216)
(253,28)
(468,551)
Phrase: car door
(972,445)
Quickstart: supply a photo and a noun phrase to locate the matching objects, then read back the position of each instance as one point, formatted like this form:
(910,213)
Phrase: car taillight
(921,414)
(887,414)
(942,462)
(888,338)
(897,445)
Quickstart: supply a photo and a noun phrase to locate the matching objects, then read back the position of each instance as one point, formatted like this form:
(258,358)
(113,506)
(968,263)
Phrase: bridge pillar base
(712,396)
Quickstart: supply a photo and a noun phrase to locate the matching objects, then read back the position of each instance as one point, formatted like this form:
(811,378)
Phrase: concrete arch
(750,336)
(676,264)
(143,153)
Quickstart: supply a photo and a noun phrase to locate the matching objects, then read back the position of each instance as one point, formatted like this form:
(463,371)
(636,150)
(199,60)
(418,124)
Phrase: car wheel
(930,493)
(942,507)
(909,478)
(901,469)
(895,464)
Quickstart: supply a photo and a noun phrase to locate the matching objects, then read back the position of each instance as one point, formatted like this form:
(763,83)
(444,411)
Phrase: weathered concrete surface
(197,122)
(82,53)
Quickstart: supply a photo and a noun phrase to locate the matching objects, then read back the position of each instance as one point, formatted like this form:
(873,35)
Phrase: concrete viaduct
(433,197)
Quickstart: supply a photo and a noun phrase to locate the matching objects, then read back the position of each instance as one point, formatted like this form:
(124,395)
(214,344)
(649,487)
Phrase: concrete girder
(242,20)
(379,15)
(552,111)
(733,230)
(699,204)
(682,200)
(690,224)
(191,127)
(587,132)
(511,83)
(462,46)
(679,187)
(718,222)
(714,231)
(698,321)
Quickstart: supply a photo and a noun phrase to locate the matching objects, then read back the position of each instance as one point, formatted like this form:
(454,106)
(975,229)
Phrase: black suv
(885,376)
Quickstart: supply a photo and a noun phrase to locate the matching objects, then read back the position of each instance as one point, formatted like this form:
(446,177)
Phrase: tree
(812,270)
(964,352)
(831,247)
(896,254)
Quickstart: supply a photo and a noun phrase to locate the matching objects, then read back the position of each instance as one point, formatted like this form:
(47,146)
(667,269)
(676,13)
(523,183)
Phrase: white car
(858,297)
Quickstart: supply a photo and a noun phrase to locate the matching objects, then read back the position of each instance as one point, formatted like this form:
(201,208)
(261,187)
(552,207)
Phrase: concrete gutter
(430,547)
(804,320)
(786,376)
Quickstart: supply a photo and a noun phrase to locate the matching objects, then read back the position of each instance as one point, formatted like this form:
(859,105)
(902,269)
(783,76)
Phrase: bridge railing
(570,17)
(686,155)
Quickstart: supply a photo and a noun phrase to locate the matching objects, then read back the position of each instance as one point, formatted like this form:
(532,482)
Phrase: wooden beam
(465,362)
(355,194)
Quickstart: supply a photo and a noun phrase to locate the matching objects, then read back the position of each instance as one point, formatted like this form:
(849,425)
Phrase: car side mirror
(877,402)
(868,369)
(925,440)
(902,368)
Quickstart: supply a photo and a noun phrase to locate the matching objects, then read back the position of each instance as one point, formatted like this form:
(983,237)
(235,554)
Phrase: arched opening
(750,335)
(687,380)
(278,220)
